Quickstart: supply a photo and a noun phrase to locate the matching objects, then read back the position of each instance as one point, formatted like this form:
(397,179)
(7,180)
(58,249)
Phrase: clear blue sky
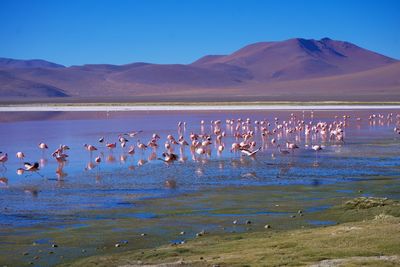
(73,32)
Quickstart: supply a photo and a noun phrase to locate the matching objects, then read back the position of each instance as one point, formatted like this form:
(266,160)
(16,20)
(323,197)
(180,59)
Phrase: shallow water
(119,189)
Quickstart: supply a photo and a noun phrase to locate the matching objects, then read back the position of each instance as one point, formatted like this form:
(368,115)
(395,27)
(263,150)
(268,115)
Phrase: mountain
(286,70)
(33,63)
(16,87)
(299,59)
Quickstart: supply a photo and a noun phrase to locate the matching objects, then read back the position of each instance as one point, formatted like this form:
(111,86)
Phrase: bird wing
(255,151)
(246,151)
(27,165)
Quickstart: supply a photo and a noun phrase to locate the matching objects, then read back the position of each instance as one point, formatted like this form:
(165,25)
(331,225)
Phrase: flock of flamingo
(243,133)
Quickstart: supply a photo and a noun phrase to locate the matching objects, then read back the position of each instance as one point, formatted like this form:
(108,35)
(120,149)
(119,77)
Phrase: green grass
(214,209)
(373,231)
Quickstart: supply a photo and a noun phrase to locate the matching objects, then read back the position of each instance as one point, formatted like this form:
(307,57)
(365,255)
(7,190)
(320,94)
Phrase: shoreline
(193,107)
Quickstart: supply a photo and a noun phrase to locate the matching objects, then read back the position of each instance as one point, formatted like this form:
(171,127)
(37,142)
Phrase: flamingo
(20,155)
(235,147)
(141,145)
(156,136)
(43,146)
(29,167)
(169,157)
(3,159)
(97,159)
(90,148)
(122,139)
(61,157)
(111,145)
(316,148)
(200,151)
(4,180)
(248,152)
(134,133)
(291,146)
(131,150)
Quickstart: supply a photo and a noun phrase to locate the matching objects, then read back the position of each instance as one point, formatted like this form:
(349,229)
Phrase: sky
(180,31)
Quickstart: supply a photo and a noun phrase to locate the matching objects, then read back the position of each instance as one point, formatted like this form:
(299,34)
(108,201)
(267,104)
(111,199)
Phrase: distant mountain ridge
(300,58)
(299,65)
(32,63)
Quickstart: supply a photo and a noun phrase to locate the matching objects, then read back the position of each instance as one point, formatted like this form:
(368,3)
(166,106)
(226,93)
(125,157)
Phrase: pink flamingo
(20,155)
(141,145)
(3,159)
(90,148)
(111,145)
(249,153)
(43,146)
(131,150)
(32,167)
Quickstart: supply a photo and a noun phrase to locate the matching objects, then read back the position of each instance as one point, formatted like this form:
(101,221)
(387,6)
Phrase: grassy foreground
(370,237)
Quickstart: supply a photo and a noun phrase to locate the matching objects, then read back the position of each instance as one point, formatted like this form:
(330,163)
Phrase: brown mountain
(295,69)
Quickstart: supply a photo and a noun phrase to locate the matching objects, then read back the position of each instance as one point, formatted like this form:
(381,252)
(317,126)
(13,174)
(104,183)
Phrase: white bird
(316,147)
(31,167)
(20,155)
(43,146)
(248,152)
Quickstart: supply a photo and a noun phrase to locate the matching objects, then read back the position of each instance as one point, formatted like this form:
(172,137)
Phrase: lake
(80,208)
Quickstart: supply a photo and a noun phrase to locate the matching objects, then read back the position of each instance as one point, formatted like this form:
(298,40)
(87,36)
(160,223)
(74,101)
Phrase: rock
(25,253)
(54,246)
(182,233)
(267,226)
(143,234)
(36,257)
(117,245)
(235,222)
(293,216)
(83,250)
(299,211)
(248,222)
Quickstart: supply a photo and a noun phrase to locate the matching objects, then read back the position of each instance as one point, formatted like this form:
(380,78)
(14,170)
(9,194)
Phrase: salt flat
(15,108)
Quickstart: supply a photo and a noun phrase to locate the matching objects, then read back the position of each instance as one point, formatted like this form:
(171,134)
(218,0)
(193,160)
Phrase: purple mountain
(295,69)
